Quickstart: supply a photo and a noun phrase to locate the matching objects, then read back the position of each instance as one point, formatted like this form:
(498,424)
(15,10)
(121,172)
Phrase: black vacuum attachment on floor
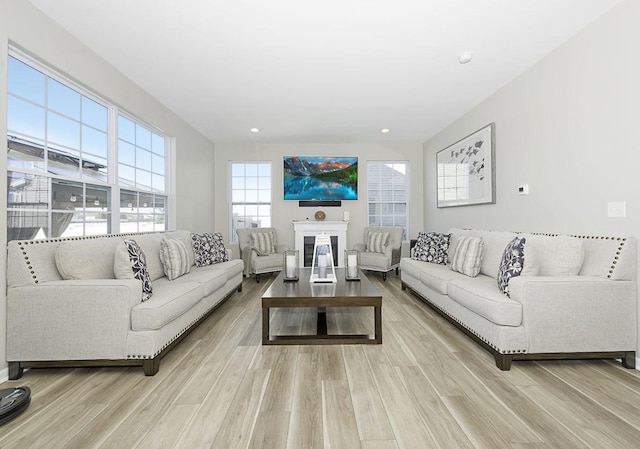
(13,401)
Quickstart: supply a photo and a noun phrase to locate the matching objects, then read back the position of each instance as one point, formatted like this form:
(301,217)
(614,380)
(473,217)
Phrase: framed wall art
(466,170)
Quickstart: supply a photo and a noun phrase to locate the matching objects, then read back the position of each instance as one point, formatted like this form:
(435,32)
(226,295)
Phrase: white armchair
(380,252)
(260,251)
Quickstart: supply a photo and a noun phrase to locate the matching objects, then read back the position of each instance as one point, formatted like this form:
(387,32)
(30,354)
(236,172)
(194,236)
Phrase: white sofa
(91,318)
(590,314)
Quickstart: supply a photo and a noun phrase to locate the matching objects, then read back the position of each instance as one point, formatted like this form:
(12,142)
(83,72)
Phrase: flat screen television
(320,178)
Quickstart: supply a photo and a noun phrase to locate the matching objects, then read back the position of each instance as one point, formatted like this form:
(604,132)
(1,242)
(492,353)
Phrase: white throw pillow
(175,258)
(377,242)
(263,242)
(467,256)
(131,263)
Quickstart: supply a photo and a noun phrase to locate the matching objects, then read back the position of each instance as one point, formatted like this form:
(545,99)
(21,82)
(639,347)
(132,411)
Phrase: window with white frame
(60,179)
(250,195)
(388,194)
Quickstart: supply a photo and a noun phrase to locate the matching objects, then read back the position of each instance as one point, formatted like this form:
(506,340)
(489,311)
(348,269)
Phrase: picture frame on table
(465,170)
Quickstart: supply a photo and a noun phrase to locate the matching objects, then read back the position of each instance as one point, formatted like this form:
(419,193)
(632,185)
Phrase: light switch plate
(617,209)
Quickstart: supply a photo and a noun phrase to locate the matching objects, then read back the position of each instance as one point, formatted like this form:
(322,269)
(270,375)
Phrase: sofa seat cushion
(211,280)
(231,268)
(170,300)
(438,277)
(482,296)
(272,262)
(371,259)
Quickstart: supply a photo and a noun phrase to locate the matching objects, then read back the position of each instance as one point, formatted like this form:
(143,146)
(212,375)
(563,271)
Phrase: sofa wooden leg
(151,366)
(15,371)
(257,278)
(239,288)
(503,361)
(629,360)
(404,286)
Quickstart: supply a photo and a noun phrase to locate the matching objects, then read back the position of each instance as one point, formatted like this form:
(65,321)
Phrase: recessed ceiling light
(465,57)
(385,130)
(254,130)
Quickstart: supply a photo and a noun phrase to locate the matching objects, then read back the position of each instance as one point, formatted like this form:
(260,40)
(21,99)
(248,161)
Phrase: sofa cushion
(467,256)
(371,259)
(130,263)
(431,247)
(437,277)
(174,257)
(231,268)
(377,242)
(481,296)
(209,249)
(170,300)
(78,259)
(557,255)
(150,245)
(493,247)
(210,279)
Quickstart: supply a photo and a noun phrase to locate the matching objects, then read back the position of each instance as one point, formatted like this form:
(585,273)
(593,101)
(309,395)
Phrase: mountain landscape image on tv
(320,178)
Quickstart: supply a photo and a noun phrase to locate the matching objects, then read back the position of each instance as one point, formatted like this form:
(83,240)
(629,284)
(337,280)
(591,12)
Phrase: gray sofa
(92,318)
(582,306)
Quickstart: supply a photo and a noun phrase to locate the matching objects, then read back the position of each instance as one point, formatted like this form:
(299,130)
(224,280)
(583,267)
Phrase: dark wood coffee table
(303,294)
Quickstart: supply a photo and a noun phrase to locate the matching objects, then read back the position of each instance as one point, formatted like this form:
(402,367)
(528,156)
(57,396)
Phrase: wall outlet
(617,209)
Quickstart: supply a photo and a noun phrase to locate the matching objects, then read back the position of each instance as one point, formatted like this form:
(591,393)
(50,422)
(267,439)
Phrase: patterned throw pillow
(467,256)
(377,242)
(209,249)
(263,242)
(512,263)
(131,263)
(431,247)
(174,256)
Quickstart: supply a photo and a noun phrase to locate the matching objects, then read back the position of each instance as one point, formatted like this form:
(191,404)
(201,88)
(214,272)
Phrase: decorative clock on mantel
(320,215)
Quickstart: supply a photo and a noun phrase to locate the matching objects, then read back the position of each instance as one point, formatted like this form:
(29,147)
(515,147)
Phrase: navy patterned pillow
(431,247)
(512,263)
(209,248)
(139,267)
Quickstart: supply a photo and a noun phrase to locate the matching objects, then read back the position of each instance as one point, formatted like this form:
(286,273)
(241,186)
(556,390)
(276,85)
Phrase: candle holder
(322,269)
(291,265)
(351,257)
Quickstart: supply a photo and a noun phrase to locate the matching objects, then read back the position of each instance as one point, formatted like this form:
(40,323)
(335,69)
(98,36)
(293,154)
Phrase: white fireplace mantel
(308,228)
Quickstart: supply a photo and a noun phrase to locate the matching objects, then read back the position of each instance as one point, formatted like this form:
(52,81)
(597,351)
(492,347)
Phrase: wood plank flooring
(426,386)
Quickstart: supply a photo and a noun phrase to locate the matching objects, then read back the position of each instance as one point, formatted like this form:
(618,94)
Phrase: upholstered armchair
(260,251)
(381,249)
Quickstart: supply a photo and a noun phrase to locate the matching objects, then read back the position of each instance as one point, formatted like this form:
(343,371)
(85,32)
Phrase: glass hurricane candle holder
(351,265)
(291,265)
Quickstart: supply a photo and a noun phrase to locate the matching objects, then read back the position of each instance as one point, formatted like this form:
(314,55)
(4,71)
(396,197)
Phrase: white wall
(24,26)
(569,128)
(285,211)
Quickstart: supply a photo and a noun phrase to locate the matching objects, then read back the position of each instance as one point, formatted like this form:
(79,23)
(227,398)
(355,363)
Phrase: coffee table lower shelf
(321,337)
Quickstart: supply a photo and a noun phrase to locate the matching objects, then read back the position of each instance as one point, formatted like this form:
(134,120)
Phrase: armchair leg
(257,278)
(397,271)
(384,276)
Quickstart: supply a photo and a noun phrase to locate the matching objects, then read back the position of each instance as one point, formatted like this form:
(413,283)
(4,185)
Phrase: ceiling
(323,71)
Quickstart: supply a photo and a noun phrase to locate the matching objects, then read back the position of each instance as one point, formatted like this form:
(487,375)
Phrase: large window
(250,195)
(388,194)
(60,175)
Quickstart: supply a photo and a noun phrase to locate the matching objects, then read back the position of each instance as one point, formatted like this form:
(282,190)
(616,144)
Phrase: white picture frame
(465,170)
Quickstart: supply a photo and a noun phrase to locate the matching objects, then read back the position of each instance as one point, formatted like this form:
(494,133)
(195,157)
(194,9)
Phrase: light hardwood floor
(426,386)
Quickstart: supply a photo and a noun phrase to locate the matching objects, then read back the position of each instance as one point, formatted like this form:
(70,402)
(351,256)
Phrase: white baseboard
(4,375)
